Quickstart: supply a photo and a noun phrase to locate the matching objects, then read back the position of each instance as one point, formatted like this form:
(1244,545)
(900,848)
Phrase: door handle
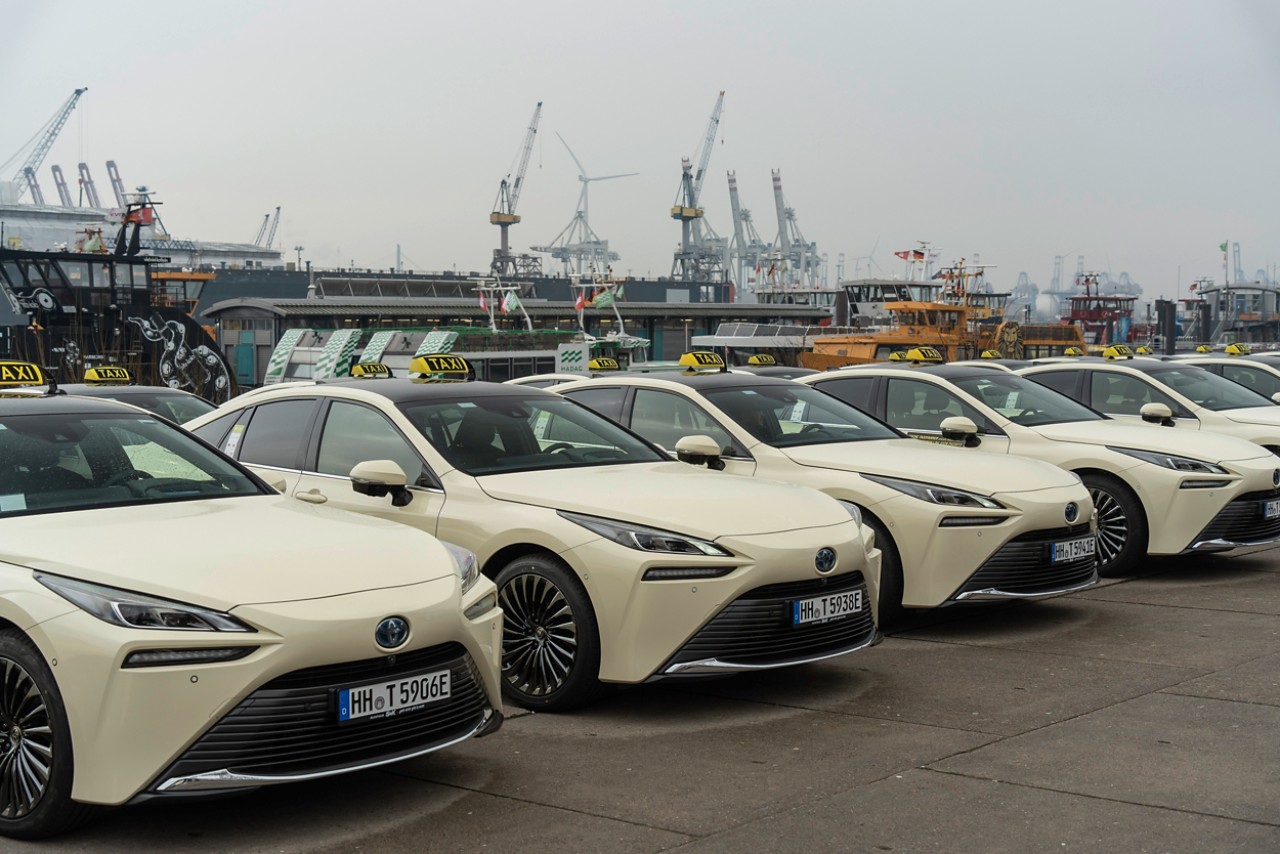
(312,496)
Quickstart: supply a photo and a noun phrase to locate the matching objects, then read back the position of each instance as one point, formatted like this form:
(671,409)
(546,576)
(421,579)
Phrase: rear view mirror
(377,478)
(1157,413)
(958,428)
(1275,398)
(698,450)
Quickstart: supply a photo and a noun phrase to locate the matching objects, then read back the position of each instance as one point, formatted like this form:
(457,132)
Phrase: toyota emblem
(391,632)
(1072,513)
(825,560)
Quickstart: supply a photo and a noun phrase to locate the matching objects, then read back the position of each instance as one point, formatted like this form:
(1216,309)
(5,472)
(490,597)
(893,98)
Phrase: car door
(664,418)
(859,392)
(352,432)
(1252,377)
(272,440)
(1122,396)
(918,407)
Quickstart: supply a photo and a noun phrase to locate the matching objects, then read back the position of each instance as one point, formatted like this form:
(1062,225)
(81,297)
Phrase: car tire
(889,605)
(550,639)
(36,763)
(1122,524)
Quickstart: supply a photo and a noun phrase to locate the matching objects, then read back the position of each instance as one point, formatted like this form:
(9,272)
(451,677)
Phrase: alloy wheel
(1113,525)
(540,635)
(26,741)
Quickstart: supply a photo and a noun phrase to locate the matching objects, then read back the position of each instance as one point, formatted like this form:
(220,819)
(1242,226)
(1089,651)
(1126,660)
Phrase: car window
(1208,390)
(178,408)
(51,463)
(1025,402)
(855,391)
(276,434)
(215,430)
(1063,381)
(791,414)
(606,401)
(1124,394)
(354,433)
(1259,380)
(919,405)
(666,418)
(495,434)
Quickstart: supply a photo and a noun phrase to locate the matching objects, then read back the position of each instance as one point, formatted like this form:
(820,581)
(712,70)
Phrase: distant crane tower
(701,257)
(89,192)
(64,195)
(117,186)
(262,229)
(504,212)
(746,249)
(799,258)
(275,223)
(25,178)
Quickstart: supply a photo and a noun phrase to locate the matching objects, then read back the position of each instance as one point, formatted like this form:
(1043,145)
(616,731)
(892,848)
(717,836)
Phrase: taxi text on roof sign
(1237,350)
(762,359)
(370,370)
(1117,351)
(916,355)
(702,360)
(20,373)
(603,363)
(439,367)
(107,375)
(991,354)
(1073,351)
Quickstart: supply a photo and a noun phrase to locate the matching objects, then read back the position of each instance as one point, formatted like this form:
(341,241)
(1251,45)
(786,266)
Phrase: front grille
(289,725)
(1023,565)
(1242,521)
(756,628)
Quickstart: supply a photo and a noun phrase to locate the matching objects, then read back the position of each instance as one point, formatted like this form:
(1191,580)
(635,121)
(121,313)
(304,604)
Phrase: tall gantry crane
(275,223)
(800,262)
(702,253)
(747,249)
(504,211)
(262,229)
(25,178)
(87,190)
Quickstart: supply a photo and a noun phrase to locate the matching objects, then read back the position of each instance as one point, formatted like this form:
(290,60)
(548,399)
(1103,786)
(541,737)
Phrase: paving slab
(1256,681)
(686,763)
(1195,754)
(1200,639)
(1221,585)
(958,686)
(922,810)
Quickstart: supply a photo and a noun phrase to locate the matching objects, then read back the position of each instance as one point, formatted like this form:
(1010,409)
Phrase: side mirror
(279,485)
(699,450)
(958,428)
(1157,413)
(1275,398)
(376,478)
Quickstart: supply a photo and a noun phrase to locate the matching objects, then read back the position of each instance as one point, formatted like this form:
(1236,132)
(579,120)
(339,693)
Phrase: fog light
(481,606)
(166,657)
(684,573)
(970,521)
(1203,484)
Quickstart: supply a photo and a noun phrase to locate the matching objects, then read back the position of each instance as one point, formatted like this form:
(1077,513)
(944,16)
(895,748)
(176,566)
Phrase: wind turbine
(870,258)
(577,241)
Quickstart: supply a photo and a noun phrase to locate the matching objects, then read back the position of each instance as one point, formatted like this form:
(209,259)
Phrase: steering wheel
(558,446)
(813,428)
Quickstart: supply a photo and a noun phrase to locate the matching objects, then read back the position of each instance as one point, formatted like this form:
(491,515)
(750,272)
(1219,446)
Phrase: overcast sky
(1137,134)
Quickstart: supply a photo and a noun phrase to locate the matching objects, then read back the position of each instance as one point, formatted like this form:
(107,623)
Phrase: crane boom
(262,229)
(524,156)
(86,185)
(117,185)
(46,137)
(275,223)
(64,195)
(708,143)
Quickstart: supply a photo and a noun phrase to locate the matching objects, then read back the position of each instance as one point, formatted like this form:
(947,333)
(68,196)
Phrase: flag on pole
(581,302)
(510,302)
(484,304)
(905,254)
(1223,247)
(604,300)
(1193,286)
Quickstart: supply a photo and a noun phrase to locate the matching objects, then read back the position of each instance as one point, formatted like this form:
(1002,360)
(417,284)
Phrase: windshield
(496,435)
(793,414)
(55,462)
(1208,390)
(1025,402)
(176,406)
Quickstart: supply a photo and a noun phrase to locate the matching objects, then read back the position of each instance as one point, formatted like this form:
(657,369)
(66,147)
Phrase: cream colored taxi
(1259,373)
(952,527)
(1169,393)
(613,563)
(170,626)
(1155,491)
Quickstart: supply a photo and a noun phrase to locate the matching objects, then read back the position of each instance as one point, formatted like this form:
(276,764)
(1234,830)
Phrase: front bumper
(1023,569)
(1241,524)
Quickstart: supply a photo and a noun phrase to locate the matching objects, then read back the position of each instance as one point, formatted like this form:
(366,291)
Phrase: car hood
(1197,444)
(226,552)
(1266,415)
(673,496)
(911,459)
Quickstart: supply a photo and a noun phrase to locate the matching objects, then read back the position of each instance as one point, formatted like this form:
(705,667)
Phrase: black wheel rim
(26,741)
(539,635)
(1113,525)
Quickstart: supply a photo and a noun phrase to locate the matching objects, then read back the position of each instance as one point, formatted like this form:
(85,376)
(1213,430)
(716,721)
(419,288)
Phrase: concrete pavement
(1142,715)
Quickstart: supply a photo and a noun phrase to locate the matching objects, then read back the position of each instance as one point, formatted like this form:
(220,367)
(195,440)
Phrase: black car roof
(713,379)
(95,390)
(402,389)
(60,404)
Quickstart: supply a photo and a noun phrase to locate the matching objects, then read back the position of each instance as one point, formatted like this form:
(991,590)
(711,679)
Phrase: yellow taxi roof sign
(108,375)
(991,354)
(371,370)
(1204,348)
(1117,351)
(1143,350)
(603,363)
(441,368)
(1237,350)
(917,355)
(1073,351)
(702,360)
(762,360)
(13,373)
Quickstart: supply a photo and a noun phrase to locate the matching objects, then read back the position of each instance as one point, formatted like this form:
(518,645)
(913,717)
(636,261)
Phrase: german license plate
(1271,509)
(822,609)
(389,699)
(1074,549)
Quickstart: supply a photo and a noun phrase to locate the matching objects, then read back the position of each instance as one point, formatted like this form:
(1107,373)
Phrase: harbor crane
(799,258)
(25,178)
(701,256)
(64,195)
(275,223)
(87,190)
(264,233)
(117,186)
(262,229)
(577,245)
(746,249)
(504,211)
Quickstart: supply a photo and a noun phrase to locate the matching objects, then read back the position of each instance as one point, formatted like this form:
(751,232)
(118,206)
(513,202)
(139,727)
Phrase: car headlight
(936,494)
(464,561)
(646,539)
(1171,461)
(854,510)
(137,611)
